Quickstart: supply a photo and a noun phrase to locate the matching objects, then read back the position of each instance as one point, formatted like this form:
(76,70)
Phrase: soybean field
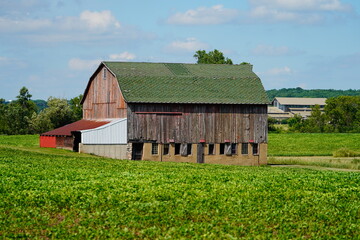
(64,195)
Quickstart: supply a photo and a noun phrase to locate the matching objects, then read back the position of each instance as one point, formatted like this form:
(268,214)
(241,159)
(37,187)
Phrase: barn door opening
(77,141)
(137,149)
(200,153)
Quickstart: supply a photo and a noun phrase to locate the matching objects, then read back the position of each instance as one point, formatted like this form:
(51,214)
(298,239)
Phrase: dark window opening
(245,148)
(222,148)
(177,148)
(255,149)
(233,148)
(166,149)
(189,149)
(211,149)
(154,149)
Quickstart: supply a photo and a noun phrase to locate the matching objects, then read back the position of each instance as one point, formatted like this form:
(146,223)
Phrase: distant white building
(286,107)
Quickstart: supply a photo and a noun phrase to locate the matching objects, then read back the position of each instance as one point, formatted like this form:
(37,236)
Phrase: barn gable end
(103,98)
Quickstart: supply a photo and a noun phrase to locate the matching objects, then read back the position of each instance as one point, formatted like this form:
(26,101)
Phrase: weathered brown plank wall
(189,123)
(104,98)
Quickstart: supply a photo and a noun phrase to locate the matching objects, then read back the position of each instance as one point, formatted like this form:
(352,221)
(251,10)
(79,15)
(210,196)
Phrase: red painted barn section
(47,142)
(62,137)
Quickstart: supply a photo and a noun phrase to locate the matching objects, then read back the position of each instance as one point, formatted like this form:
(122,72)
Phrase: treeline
(313,93)
(341,114)
(23,116)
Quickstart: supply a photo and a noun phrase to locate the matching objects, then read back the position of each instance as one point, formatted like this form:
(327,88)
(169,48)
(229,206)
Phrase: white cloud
(86,21)
(279,71)
(122,56)
(295,11)
(80,64)
(189,45)
(99,20)
(23,25)
(14,62)
(204,15)
(303,12)
(91,64)
(276,15)
(302,5)
(88,26)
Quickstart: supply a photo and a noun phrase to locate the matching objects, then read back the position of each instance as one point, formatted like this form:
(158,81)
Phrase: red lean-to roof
(75,126)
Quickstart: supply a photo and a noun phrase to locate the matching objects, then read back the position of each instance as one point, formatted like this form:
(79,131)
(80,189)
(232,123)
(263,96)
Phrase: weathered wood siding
(103,98)
(190,123)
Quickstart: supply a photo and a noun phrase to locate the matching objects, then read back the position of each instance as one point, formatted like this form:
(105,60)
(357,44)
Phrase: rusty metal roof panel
(75,126)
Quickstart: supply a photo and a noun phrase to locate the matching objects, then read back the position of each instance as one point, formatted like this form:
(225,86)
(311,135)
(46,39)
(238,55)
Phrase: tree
(295,123)
(40,123)
(212,57)
(41,104)
(18,113)
(343,113)
(316,121)
(313,93)
(56,115)
(271,125)
(3,122)
(76,107)
(24,100)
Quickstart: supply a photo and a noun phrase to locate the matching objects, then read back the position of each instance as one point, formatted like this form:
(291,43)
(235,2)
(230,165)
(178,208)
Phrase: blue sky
(53,47)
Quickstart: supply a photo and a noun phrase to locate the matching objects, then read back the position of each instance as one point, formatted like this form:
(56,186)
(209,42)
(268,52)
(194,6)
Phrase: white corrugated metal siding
(114,132)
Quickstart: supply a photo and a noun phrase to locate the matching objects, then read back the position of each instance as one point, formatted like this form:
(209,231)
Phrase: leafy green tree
(41,104)
(212,57)
(295,123)
(3,122)
(316,121)
(271,124)
(343,113)
(76,107)
(40,123)
(18,113)
(56,115)
(24,100)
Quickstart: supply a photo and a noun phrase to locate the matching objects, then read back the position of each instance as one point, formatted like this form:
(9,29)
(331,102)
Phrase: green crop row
(311,144)
(71,196)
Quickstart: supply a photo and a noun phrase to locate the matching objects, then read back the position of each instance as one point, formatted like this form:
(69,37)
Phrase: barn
(205,113)
(64,137)
(200,113)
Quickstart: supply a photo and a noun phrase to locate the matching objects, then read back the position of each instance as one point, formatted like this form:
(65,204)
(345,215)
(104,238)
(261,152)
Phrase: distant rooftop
(300,101)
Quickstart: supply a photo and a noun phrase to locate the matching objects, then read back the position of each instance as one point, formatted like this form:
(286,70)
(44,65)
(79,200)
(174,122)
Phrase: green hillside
(311,93)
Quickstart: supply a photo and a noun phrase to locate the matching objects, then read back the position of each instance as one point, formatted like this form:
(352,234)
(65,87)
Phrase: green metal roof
(188,83)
